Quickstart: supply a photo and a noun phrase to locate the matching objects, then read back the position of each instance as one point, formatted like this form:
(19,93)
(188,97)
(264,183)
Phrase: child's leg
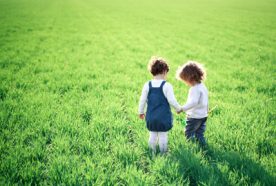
(191,127)
(163,141)
(200,133)
(153,136)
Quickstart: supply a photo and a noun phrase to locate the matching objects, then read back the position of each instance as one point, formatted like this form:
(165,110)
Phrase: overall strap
(162,84)
(150,86)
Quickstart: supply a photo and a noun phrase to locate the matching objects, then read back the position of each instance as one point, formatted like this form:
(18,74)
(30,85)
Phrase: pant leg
(191,127)
(199,133)
(153,136)
(163,141)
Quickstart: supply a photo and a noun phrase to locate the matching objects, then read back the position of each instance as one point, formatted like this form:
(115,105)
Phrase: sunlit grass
(71,73)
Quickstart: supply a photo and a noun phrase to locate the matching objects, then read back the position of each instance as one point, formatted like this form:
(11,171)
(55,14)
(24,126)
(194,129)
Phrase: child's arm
(143,100)
(193,99)
(171,98)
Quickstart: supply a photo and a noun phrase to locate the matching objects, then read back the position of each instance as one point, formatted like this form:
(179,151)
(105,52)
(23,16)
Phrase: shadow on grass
(216,167)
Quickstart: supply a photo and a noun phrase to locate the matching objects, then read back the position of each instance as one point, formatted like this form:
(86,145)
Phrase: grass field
(71,73)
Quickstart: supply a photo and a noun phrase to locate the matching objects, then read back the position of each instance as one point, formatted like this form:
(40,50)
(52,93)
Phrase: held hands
(178,112)
(142,116)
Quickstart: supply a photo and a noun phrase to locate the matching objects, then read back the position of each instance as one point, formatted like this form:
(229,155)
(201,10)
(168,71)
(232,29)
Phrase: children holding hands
(159,96)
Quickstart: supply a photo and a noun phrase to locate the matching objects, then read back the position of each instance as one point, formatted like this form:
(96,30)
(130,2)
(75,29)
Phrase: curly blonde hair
(191,71)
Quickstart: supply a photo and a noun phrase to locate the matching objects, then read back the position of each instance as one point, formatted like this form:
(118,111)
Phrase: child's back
(159,116)
(197,106)
(158,94)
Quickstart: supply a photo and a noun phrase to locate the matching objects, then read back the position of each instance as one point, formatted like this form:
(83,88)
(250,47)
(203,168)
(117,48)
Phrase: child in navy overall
(196,107)
(158,95)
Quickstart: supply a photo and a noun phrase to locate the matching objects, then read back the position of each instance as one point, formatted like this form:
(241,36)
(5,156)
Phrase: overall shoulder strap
(150,85)
(162,84)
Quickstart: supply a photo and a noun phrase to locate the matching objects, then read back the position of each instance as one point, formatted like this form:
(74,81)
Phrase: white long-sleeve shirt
(197,102)
(167,90)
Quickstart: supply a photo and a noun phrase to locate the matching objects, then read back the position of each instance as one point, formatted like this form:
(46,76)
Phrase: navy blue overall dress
(159,116)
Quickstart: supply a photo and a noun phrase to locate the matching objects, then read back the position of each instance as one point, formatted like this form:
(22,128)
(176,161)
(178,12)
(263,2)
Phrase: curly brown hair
(157,66)
(192,72)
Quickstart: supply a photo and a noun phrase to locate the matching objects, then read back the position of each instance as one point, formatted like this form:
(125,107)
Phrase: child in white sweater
(196,107)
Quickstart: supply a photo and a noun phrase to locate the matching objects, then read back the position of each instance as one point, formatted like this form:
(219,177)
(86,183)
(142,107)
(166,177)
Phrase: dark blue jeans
(196,128)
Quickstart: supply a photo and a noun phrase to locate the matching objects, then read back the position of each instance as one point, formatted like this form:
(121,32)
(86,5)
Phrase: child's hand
(178,112)
(142,116)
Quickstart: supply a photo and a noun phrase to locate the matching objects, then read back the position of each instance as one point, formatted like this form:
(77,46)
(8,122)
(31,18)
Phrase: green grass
(71,73)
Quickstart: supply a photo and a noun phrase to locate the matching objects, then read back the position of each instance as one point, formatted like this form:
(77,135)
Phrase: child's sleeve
(171,98)
(193,99)
(143,98)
